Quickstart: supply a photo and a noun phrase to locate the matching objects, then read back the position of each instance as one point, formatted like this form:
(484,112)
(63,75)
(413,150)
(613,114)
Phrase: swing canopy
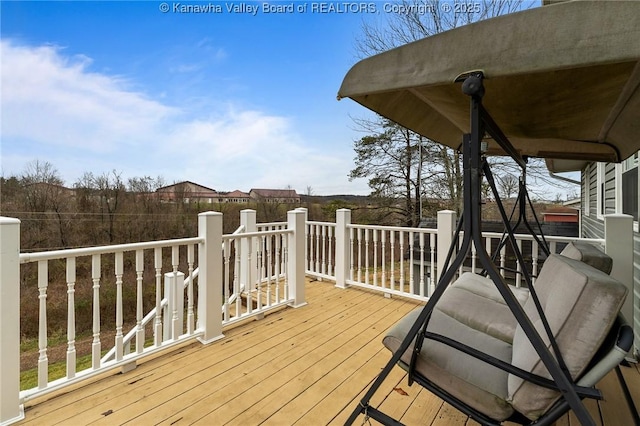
(562,81)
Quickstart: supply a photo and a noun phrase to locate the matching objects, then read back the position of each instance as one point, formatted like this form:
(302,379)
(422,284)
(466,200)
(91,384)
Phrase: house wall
(593,222)
(592,227)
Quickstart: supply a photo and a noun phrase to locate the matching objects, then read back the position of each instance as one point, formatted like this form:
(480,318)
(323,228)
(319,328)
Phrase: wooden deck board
(305,366)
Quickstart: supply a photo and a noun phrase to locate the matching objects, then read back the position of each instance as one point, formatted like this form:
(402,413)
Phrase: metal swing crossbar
(475,166)
(521,204)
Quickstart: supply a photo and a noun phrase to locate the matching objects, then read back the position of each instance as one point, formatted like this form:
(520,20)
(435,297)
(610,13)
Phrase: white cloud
(50,99)
(55,108)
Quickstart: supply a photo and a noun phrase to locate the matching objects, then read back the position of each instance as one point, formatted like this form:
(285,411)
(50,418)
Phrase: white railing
(528,246)
(393,260)
(86,268)
(408,261)
(320,251)
(247,275)
(134,335)
(257,268)
(266,285)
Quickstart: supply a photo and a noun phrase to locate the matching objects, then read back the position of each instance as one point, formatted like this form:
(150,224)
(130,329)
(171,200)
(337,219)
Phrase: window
(586,177)
(630,186)
(600,190)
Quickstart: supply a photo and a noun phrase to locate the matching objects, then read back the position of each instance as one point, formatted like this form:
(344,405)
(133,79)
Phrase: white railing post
(618,236)
(210,277)
(343,256)
(446,229)
(306,237)
(11,410)
(174,312)
(295,264)
(248,261)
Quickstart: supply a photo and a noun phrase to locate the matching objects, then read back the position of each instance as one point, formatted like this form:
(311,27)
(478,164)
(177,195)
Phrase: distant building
(190,192)
(51,188)
(187,192)
(561,214)
(281,196)
(236,196)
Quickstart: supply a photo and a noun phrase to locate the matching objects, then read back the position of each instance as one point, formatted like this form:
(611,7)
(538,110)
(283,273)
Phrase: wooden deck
(305,366)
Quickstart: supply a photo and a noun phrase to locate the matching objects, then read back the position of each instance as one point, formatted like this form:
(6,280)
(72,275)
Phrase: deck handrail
(264,263)
(89,251)
(150,316)
(274,283)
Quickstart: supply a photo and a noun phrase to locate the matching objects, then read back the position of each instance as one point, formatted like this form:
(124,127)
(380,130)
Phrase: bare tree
(107,191)
(434,173)
(42,185)
(44,193)
(508,185)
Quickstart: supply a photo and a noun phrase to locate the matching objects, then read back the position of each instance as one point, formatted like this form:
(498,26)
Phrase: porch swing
(564,85)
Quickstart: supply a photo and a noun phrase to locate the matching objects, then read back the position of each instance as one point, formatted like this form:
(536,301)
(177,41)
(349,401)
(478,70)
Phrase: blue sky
(228,100)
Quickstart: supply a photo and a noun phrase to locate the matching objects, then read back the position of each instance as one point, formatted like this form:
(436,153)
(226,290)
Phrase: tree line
(107,208)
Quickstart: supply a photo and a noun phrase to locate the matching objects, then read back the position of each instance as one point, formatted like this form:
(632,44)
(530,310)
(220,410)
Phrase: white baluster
(225,288)
(432,266)
(474,256)
(43,361)
(375,257)
(534,266)
(350,254)
(278,248)
(250,282)
(324,249)
(269,269)
(366,254)
(422,264)
(330,267)
(71,318)
(285,246)
(411,263)
(518,265)
(261,269)
(95,344)
(178,295)
(383,247)
(237,290)
(191,318)
(157,264)
(392,243)
(139,297)
(119,269)
(317,231)
(402,265)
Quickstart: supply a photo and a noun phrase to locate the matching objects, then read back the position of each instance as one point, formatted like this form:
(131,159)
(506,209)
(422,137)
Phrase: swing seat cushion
(589,254)
(464,316)
(580,302)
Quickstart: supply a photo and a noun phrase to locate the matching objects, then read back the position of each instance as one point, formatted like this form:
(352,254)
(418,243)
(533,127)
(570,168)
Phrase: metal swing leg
(481,121)
(446,278)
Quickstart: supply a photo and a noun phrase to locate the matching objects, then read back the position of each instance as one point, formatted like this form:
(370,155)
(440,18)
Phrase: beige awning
(562,81)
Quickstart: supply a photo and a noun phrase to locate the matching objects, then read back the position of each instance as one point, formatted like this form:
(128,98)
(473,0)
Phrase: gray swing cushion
(464,316)
(589,254)
(580,302)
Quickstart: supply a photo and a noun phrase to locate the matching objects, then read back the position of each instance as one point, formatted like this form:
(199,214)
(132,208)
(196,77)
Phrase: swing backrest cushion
(589,254)
(581,304)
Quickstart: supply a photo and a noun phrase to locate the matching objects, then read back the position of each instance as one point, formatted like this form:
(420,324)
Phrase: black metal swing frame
(474,168)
